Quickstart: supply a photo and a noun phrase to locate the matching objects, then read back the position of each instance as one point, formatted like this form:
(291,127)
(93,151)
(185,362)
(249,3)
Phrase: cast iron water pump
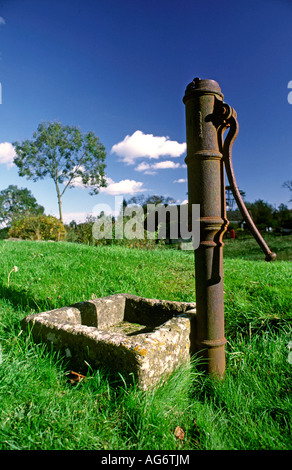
(208,156)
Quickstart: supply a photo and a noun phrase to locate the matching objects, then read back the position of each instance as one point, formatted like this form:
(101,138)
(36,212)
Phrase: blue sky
(119,68)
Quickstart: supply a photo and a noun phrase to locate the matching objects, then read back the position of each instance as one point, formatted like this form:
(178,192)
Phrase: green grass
(247,248)
(250,409)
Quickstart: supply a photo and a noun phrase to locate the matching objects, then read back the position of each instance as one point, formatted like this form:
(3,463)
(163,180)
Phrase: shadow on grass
(22,298)
(23,303)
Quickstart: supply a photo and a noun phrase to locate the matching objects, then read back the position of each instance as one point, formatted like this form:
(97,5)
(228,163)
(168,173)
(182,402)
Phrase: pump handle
(230,121)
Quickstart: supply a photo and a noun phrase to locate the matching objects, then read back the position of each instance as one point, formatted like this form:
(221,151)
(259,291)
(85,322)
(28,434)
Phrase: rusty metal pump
(208,156)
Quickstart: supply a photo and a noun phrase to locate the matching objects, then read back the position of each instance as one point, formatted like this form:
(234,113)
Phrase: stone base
(131,335)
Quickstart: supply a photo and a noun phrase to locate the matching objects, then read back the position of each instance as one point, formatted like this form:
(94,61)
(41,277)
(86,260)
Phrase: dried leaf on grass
(75,377)
(179,433)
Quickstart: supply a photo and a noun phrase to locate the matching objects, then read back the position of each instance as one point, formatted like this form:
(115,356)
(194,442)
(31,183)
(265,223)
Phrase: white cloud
(122,187)
(113,188)
(143,166)
(7,154)
(2,21)
(165,165)
(180,180)
(149,169)
(146,168)
(146,145)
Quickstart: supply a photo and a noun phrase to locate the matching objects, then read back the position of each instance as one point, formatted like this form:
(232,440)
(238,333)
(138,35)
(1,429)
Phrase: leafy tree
(288,184)
(283,216)
(161,202)
(262,213)
(142,200)
(17,202)
(65,155)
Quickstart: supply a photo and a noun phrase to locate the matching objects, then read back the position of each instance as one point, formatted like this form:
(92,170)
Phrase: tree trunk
(59,202)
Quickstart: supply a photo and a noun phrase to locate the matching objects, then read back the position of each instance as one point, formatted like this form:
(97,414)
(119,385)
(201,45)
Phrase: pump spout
(226,148)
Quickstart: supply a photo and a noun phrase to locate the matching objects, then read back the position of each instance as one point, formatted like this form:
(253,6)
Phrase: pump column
(206,187)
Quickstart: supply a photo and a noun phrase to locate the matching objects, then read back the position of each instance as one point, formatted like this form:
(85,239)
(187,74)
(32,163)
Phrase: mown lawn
(251,409)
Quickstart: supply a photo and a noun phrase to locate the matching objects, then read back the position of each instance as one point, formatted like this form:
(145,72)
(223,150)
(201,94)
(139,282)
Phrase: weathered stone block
(148,338)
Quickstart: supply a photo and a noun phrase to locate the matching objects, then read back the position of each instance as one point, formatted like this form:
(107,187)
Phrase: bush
(81,233)
(39,227)
(4,233)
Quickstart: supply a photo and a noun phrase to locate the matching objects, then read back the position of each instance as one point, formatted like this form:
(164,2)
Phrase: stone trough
(131,335)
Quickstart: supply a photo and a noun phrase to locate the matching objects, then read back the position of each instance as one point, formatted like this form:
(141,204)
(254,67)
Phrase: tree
(262,213)
(283,217)
(142,200)
(230,201)
(288,184)
(63,154)
(17,202)
(159,220)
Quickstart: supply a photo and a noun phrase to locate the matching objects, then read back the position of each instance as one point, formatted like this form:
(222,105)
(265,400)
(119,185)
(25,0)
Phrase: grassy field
(250,410)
